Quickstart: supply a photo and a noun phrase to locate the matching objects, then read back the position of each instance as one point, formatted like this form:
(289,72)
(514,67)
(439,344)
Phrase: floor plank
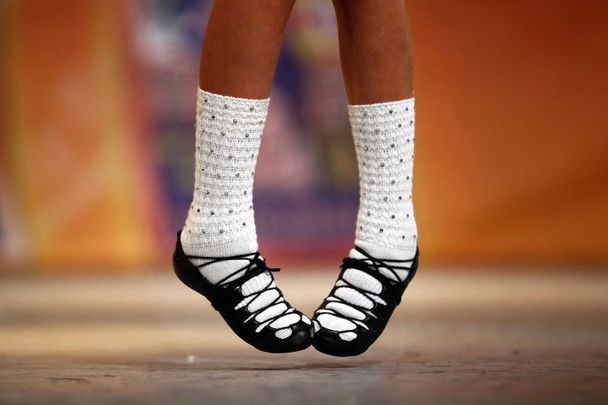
(486,337)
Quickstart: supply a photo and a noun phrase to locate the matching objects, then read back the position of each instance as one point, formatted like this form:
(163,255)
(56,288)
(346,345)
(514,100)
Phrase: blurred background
(97,117)
(97,102)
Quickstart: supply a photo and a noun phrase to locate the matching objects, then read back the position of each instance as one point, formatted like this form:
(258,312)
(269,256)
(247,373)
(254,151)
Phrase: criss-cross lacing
(254,308)
(235,280)
(371,266)
(367,315)
(376,264)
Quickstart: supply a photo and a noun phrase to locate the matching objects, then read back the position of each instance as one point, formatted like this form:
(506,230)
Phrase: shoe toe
(300,338)
(301,335)
(329,342)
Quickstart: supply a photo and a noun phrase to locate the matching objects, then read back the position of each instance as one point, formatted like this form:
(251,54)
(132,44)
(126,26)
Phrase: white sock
(220,221)
(386,228)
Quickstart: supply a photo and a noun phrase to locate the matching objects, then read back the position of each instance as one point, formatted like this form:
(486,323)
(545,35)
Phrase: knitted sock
(386,228)
(220,221)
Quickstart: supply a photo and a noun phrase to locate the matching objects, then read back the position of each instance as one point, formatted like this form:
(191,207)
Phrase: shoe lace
(256,266)
(371,266)
(373,263)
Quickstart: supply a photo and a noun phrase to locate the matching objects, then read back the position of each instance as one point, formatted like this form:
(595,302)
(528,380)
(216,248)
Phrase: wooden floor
(457,338)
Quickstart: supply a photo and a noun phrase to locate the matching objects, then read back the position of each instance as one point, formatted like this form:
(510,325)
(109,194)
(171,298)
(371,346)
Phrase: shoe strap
(256,266)
(371,266)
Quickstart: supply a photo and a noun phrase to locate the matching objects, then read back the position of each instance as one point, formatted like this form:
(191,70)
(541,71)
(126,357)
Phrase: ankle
(387,253)
(236,247)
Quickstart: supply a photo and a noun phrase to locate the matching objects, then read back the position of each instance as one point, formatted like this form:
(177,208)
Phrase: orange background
(512,145)
(512,134)
(76,163)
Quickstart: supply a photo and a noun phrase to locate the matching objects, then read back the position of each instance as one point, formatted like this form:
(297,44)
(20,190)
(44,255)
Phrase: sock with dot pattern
(386,228)
(219,236)
(220,221)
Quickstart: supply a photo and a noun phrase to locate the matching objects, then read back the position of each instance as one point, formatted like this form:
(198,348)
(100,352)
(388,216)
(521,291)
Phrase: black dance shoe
(278,333)
(367,321)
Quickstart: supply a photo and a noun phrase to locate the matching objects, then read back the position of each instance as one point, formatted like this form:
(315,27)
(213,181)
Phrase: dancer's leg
(377,65)
(241,46)
(217,249)
(375,50)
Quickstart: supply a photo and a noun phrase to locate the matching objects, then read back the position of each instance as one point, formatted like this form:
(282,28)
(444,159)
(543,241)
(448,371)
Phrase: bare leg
(377,66)
(216,253)
(375,50)
(242,45)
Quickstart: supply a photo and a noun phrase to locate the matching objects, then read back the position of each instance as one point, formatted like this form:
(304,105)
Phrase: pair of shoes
(272,336)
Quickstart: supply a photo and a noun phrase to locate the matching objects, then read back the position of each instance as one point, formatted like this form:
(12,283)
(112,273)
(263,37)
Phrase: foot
(361,303)
(251,304)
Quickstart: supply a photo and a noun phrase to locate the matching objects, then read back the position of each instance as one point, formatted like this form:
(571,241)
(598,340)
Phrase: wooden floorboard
(484,337)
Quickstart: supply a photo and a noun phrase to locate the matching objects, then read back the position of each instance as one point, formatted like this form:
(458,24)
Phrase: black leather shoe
(232,304)
(371,319)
